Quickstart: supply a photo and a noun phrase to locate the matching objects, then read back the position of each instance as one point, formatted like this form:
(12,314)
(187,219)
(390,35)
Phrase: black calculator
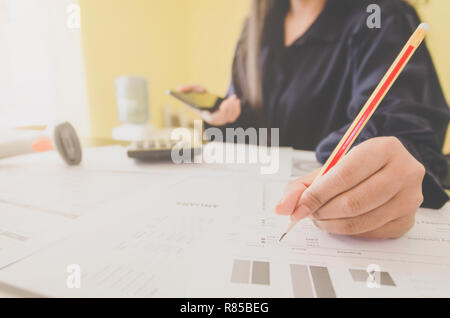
(160,149)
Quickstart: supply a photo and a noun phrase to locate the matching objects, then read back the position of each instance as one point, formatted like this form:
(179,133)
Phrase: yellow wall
(185,41)
(168,41)
(142,37)
(435,13)
(213,30)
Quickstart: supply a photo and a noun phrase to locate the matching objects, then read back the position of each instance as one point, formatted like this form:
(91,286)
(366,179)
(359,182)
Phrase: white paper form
(71,192)
(135,244)
(44,186)
(42,203)
(46,189)
(415,265)
(23,232)
(120,254)
(194,242)
(184,252)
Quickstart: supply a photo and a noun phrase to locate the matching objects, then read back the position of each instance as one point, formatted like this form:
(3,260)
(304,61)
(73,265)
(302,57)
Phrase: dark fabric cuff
(434,195)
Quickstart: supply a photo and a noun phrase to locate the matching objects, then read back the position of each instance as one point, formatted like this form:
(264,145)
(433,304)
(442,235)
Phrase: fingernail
(283,199)
(302,212)
(278,207)
(286,196)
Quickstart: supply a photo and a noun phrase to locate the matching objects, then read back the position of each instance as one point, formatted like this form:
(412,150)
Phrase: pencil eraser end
(424,26)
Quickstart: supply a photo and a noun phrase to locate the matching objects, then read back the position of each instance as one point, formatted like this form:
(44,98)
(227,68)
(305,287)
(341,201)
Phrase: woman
(307,67)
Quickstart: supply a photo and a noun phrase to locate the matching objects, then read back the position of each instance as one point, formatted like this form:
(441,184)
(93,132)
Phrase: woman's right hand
(228,112)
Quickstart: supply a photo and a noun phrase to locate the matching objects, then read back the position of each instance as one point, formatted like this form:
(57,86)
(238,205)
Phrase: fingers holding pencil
(346,175)
(303,197)
(373,188)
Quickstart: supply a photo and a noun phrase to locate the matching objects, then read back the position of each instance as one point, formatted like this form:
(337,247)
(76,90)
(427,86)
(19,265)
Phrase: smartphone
(200,101)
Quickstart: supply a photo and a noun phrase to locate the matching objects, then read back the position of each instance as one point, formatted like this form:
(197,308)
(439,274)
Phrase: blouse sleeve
(248,117)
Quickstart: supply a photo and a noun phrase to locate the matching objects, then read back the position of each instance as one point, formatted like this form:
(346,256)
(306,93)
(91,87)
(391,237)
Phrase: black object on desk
(200,101)
(156,150)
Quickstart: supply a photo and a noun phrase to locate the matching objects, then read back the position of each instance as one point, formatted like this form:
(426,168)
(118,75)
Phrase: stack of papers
(117,229)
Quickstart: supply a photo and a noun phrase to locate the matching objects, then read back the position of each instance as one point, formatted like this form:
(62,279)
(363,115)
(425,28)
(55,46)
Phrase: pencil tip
(282,237)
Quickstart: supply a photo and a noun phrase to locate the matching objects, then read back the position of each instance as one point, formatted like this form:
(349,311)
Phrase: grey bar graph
(241,272)
(360,275)
(386,279)
(261,273)
(301,282)
(322,282)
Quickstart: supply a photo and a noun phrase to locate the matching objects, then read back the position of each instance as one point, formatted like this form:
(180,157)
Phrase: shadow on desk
(8,291)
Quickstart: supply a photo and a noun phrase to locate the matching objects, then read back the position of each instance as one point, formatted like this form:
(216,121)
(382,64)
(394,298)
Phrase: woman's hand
(373,192)
(228,112)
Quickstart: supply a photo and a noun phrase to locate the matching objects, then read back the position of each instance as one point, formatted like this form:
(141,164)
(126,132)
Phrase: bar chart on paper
(242,277)
(251,272)
(307,281)
(311,263)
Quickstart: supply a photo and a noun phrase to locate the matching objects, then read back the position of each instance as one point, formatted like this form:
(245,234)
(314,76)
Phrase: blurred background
(59,58)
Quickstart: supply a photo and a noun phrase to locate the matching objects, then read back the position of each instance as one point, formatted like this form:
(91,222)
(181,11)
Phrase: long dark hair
(246,63)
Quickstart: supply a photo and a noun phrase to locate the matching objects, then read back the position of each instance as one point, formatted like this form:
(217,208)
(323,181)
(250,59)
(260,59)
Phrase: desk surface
(11,291)
(8,291)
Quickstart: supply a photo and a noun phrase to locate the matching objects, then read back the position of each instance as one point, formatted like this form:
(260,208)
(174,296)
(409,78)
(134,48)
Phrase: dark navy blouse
(313,89)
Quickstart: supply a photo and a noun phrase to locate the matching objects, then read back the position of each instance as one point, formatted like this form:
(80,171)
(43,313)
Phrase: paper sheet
(42,204)
(73,192)
(416,265)
(213,236)
(120,254)
(25,231)
(192,251)
(52,198)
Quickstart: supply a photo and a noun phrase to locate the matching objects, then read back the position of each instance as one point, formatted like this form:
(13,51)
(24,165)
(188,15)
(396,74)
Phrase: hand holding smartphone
(201,101)
(214,110)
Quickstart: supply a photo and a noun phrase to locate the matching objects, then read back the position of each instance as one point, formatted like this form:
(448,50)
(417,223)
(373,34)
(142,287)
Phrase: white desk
(7,291)
(109,161)
(102,159)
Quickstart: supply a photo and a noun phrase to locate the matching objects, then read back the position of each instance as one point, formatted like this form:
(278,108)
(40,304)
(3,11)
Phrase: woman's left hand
(373,192)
